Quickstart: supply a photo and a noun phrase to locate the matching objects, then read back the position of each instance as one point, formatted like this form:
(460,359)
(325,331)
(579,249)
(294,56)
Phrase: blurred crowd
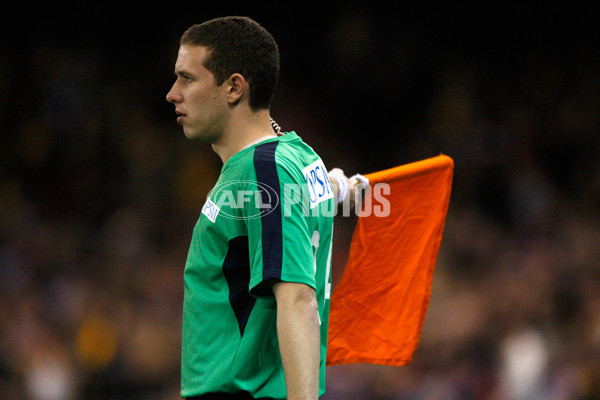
(100,190)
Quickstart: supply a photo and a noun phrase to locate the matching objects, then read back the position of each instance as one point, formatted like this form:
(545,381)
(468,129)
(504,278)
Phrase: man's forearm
(299,339)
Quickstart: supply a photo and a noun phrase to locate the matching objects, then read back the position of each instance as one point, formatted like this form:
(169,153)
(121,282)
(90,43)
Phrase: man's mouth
(180,116)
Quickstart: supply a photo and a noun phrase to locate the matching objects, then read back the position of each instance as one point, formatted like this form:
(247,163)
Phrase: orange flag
(379,305)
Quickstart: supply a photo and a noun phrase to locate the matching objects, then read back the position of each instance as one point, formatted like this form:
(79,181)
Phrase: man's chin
(195,135)
(191,134)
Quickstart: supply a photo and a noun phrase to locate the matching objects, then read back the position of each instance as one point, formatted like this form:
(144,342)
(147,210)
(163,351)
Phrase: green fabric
(268,218)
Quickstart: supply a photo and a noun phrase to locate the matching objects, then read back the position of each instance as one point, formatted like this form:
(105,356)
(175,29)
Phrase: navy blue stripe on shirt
(272,236)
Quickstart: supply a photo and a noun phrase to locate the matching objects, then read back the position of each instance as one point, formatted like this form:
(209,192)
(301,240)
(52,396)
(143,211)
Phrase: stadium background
(100,189)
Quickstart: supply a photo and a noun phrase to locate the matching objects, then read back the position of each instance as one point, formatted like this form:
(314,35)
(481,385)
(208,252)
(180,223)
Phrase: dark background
(100,189)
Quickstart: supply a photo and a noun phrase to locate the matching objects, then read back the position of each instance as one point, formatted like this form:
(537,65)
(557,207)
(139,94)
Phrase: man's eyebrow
(181,72)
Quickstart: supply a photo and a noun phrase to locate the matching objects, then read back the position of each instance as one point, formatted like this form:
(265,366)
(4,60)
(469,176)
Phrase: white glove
(346,187)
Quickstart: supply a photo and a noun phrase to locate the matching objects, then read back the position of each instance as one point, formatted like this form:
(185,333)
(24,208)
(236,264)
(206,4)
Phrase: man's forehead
(191,58)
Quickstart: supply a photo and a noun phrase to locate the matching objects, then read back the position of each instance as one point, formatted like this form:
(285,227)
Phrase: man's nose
(173,96)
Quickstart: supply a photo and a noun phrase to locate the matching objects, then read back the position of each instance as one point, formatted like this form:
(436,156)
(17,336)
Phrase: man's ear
(237,86)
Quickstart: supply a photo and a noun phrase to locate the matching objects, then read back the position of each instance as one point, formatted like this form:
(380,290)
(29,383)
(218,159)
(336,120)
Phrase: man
(257,283)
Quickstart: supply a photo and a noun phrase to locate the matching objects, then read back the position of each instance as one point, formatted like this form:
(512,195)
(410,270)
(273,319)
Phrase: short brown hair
(239,45)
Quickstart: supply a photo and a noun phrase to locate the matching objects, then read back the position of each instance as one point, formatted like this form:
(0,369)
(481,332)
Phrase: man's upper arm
(280,239)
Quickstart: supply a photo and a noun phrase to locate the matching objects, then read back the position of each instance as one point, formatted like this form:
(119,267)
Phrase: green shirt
(269,218)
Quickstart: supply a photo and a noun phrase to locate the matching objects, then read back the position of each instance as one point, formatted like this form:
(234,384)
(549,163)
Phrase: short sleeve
(279,235)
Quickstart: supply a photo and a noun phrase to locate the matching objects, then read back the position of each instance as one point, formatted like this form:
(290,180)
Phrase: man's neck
(243,131)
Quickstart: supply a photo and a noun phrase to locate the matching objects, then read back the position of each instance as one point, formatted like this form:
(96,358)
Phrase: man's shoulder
(288,153)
